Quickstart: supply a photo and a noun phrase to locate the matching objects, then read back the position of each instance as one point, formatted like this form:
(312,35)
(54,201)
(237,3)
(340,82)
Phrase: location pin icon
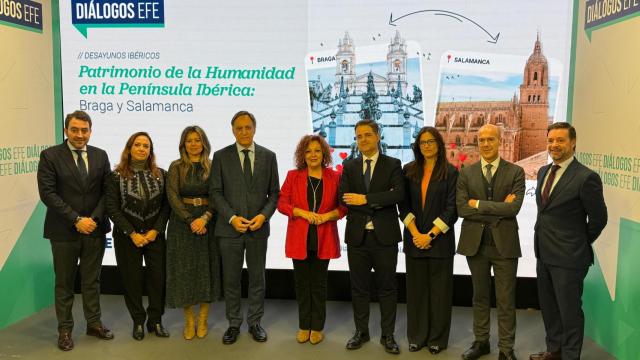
(311,58)
(448,57)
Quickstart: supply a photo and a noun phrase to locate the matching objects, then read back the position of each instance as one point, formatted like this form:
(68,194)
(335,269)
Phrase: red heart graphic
(339,168)
(343,155)
(331,150)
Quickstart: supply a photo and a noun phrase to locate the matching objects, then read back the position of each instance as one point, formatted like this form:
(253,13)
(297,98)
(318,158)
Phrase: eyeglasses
(428,142)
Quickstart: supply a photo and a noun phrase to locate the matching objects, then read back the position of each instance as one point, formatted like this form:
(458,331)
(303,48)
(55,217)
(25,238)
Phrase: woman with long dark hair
(137,205)
(309,197)
(429,212)
(193,259)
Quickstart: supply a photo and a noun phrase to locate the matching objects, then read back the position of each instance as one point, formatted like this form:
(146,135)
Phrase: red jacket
(294,195)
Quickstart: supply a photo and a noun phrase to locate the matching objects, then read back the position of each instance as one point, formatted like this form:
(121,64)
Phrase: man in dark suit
(371,187)
(244,190)
(70,182)
(571,216)
(489,196)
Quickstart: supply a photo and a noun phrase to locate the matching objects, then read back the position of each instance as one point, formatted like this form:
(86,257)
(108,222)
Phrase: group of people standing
(218,215)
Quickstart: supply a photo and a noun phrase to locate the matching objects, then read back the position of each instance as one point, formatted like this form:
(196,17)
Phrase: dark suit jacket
(386,190)
(440,203)
(572,219)
(232,196)
(66,197)
(497,214)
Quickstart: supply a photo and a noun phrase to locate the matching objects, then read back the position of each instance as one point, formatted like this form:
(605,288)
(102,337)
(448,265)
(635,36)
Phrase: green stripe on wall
(57,69)
(572,60)
(614,324)
(27,275)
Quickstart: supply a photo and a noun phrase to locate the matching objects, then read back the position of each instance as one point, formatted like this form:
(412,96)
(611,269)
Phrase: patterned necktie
(367,175)
(246,166)
(487,174)
(82,167)
(547,186)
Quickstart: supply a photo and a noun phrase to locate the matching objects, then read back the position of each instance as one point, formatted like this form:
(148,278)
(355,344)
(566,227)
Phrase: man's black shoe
(258,333)
(507,355)
(158,329)
(231,335)
(138,332)
(477,349)
(357,340)
(390,344)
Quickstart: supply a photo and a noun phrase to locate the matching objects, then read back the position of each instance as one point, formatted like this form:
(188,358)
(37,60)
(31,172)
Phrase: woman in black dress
(429,212)
(193,260)
(137,205)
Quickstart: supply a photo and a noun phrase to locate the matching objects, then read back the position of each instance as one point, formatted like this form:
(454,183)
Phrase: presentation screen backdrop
(306,67)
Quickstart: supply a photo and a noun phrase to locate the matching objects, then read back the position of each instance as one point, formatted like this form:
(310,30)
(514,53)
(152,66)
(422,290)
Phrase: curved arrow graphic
(493,40)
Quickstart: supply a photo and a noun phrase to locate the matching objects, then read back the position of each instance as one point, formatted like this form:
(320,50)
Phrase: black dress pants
(429,300)
(129,259)
(370,254)
(89,249)
(232,252)
(311,291)
(560,294)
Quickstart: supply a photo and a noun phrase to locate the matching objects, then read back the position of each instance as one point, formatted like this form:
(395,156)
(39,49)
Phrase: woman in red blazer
(309,197)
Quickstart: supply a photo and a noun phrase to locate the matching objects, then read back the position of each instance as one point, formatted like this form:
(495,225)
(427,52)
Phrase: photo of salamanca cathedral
(386,89)
(523,119)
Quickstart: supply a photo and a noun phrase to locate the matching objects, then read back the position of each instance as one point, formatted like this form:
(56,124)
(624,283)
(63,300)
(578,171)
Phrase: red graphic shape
(343,155)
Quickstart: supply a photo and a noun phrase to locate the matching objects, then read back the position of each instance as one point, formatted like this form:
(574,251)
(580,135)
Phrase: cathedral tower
(345,63)
(397,63)
(534,103)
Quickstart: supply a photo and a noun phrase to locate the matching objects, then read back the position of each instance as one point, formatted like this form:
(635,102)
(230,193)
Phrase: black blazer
(232,196)
(440,203)
(386,190)
(498,215)
(572,219)
(66,197)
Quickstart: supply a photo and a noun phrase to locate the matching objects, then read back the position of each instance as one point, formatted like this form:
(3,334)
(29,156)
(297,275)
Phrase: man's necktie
(246,166)
(487,174)
(547,186)
(367,175)
(82,167)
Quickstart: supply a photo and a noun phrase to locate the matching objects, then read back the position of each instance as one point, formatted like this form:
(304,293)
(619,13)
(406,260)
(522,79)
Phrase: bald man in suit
(489,196)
